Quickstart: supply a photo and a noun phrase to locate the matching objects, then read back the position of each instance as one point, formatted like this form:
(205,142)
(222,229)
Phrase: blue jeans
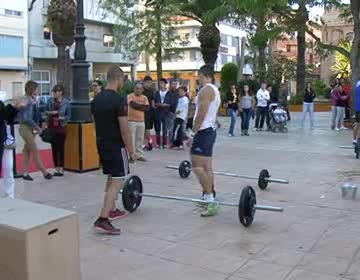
(245,119)
(232,114)
(308,107)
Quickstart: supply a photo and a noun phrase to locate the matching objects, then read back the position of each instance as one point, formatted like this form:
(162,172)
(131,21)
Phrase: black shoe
(28,178)
(58,174)
(150,147)
(48,176)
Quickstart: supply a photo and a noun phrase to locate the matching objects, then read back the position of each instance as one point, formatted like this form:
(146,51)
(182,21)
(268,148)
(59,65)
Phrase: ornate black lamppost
(80,106)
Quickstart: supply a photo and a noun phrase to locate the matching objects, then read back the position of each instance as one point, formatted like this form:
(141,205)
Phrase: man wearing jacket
(163,102)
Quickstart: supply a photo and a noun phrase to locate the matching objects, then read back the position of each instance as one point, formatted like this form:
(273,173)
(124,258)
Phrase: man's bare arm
(139,107)
(125,134)
(205,99)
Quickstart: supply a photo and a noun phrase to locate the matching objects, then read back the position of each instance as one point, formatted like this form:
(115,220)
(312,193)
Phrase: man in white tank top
(203,137)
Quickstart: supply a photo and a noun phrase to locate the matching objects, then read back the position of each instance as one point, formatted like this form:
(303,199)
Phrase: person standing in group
(340,108)
(163,101)
(284,92)
(58,115)
(247,104)
(356,130)
(97,87)
(203,138)
(138,104)
(347,90)
(181,113)
(7,144)
(232,106)
(263,98)
(334,98)
(191,113)
(109,111)
(308,106)
(29,119)
(149,92)
(173,91)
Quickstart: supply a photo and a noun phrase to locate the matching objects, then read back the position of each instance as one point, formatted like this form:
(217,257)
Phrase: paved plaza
(316,237)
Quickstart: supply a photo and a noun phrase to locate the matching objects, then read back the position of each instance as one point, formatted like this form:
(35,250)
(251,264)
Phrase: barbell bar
(263,179)
(132,194)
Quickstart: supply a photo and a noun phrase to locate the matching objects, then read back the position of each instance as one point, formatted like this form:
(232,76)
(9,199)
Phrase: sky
(318,11)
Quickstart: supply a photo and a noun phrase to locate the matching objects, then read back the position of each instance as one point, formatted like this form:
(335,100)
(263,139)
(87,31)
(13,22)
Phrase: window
(350,36)
(46,3)
(17,89)
(184,36)
(223,59)
(223,38)
(109,41)
(326,36)
(11,46)
(193,55)
(11,13)
(288,48)
(233,59)
(234,41)
(100,76)
(47,33)
(43,79)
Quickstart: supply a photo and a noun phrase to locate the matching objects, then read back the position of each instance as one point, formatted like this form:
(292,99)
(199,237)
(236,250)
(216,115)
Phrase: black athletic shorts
(149,119)
(203,142)
(113,159)
(357,117)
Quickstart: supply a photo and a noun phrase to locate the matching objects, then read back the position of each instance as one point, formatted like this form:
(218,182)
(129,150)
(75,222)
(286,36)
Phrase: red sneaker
(103,225)
(117,214)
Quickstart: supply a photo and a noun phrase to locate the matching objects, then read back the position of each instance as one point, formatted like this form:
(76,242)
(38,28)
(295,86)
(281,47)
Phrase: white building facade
(100,45)
(13,47)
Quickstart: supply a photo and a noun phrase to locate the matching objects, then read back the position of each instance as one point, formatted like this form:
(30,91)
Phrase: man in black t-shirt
(109,112)
(149,92)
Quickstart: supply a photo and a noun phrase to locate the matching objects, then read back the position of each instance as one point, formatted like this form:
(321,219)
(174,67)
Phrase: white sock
(210,197)
(150,141)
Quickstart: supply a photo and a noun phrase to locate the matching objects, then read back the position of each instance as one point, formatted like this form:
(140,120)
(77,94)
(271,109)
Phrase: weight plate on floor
(262,182)
(246,206)
(185,169)
(130,198)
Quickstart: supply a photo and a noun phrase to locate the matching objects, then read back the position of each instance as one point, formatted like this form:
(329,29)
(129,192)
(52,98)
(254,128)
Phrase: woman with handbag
(58,112)
(29,118)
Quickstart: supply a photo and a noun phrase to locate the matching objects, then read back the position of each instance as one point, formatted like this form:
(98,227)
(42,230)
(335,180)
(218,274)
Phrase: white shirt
(162,95)
(210,118)
(263,97)
(182,108)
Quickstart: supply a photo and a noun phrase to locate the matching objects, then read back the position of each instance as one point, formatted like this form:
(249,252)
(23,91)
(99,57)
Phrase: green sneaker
(212,210)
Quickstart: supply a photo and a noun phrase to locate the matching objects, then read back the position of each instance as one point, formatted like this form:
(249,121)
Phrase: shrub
(229,73)
(254,85)
(321,89)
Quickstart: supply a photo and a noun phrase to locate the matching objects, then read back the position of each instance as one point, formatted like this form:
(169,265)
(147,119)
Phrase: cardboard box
(38,242)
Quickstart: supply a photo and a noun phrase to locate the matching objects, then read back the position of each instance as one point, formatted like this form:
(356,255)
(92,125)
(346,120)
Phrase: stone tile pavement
(316,237)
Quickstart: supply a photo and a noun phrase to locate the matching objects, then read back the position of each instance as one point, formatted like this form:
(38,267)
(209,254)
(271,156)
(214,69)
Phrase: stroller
(278,118)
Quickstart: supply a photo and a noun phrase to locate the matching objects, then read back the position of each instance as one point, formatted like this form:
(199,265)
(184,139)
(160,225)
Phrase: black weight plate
(132,186)
(262,182)
(246,206)
(184,169)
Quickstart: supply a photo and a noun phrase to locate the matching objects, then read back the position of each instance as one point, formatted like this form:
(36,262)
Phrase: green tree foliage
(229,73)
(147,26)
(342,65)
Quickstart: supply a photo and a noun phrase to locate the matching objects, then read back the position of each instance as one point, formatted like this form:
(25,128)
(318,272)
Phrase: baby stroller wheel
(274,129)
(284,130)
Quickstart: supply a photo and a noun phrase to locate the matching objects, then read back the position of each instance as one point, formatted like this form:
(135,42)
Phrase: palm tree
(209,35)
(61,20)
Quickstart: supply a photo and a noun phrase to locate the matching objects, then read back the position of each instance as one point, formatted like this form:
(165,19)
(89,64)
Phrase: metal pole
(270,180)
(346,147)
(187,199)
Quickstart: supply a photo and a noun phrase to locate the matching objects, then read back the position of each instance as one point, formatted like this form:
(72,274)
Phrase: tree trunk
(158,43)
(262,63)
(147,64)
(63,76)
(209,37)
(261,45)
(301,42)
(355,50)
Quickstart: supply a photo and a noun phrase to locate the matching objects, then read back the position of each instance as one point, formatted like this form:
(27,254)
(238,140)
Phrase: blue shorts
(203,142)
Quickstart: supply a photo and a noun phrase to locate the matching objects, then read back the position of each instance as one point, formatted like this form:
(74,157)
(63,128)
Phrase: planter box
(319,107)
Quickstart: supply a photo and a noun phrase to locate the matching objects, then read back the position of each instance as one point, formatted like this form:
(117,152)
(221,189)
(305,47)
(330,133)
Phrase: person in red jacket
(347,89)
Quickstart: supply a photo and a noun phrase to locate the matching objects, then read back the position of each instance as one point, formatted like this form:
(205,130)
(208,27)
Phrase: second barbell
(263,179)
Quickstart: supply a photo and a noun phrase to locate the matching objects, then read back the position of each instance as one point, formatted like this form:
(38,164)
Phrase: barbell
(132,194)
(356,149)
(263,179)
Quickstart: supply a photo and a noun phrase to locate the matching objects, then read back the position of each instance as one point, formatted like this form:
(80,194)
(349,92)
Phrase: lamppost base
(81,153)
